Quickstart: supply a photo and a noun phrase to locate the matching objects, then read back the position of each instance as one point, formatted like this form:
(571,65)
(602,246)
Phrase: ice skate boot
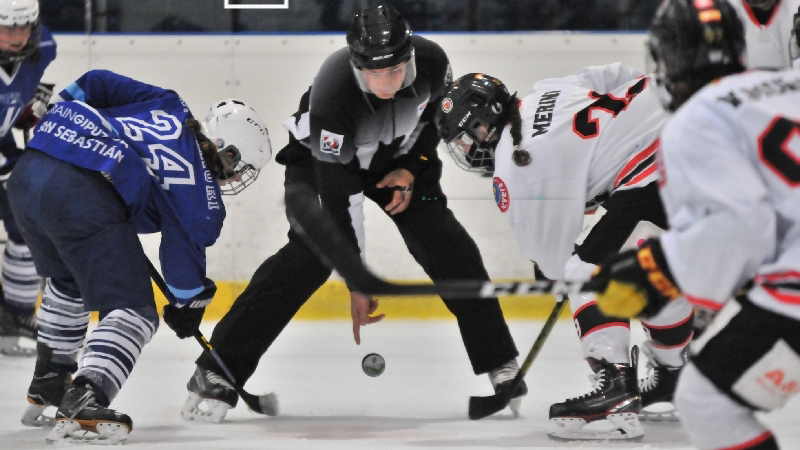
(215,391)
(615,397)
(81,419)
(13,327)
(47,389)
(502,379)
(657,391)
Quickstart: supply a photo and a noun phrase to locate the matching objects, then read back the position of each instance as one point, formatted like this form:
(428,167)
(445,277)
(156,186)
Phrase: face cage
(658,70)
(232,187)
(476,159)
(410,75)
(8,57)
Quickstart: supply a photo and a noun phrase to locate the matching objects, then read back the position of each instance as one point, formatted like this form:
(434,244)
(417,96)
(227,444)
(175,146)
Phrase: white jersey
(767,45)
(588,134)
(730,173)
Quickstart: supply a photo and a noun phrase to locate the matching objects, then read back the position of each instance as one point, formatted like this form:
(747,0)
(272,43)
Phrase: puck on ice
(373,364)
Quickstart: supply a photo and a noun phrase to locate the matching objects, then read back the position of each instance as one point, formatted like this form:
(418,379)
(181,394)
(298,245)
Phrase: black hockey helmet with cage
(379,38)
(474,108)
(692,42)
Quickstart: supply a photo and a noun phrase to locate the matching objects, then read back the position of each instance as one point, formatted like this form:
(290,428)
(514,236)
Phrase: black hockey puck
(373,364)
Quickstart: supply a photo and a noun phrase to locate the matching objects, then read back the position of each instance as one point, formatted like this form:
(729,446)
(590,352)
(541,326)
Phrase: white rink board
(272,71)
(328,403)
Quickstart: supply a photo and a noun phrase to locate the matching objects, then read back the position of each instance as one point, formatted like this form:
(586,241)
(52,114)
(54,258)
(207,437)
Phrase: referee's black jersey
(355,137)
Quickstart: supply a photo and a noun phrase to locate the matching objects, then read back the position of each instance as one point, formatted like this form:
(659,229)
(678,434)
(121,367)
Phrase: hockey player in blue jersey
(26,49)
(114,157)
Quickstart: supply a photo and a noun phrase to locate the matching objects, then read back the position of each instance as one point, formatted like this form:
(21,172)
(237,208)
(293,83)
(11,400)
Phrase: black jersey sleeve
(332,124)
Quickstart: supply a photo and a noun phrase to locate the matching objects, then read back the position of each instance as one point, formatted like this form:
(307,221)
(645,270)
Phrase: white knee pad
(712,419)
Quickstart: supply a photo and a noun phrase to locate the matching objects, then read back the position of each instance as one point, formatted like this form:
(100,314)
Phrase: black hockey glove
(185,320)
(634,283)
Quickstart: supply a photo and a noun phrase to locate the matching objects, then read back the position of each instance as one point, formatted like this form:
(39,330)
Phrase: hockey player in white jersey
(569,145)
(767,30)
(729,179)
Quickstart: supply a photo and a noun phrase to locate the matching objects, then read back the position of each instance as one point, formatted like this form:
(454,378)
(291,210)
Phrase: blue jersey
(135,134)
(16,92)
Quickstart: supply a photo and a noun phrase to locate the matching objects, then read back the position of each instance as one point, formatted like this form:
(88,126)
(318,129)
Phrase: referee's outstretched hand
(402,182)
(361,306)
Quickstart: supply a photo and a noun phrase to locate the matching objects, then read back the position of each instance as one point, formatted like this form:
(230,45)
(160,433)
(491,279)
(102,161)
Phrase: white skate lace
(649,383)
(597,384)
(213,378)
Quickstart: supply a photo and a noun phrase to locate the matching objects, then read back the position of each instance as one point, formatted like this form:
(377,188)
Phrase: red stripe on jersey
(793,298)
(664,327)
(703,303)
(778,277)
(575,314)
(752,442)
(631,165)
(606,325)
(668,347)
(647,172)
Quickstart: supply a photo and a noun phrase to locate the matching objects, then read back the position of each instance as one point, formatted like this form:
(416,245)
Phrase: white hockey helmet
(242,140)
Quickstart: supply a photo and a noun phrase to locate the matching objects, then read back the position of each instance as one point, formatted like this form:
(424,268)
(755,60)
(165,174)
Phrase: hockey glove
(185,319)
(634,283)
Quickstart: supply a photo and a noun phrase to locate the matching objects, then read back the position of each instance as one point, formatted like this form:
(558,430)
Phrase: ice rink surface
(327,402)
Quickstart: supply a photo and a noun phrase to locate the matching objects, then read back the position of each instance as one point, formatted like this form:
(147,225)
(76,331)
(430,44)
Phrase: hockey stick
(480,407)
(262,404)
(320,233)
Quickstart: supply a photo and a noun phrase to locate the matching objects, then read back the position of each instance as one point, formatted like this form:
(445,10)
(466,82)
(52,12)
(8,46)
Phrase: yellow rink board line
(332,301)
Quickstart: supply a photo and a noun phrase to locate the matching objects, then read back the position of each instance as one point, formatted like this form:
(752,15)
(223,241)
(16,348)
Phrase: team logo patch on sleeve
(447,105)
(501,196)
(330,143)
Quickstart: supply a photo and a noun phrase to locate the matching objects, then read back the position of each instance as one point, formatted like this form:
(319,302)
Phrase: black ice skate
(80,414)
(657,391)
(502,379)
(215,391)
(12,328)
(47,389)
(615,397)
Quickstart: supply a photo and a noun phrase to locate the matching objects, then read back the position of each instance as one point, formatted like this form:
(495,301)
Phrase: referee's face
(384,83)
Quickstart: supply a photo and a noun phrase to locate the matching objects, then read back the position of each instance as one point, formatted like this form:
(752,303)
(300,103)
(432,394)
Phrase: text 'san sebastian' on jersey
(136,135)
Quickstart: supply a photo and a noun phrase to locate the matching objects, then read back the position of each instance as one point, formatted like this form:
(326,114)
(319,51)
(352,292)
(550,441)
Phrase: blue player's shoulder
(47,45)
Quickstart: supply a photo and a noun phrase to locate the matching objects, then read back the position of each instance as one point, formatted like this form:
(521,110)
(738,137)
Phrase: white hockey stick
(320,233)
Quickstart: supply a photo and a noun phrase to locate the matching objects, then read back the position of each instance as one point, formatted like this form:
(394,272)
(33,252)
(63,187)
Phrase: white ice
(327,402)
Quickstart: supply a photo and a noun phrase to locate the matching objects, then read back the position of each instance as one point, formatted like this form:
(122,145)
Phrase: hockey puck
(373,364)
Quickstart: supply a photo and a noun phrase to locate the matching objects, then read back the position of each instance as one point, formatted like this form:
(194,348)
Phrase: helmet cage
(237,174)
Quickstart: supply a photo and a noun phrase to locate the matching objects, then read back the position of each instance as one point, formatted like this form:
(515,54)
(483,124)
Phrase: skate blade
(625,426)
(660,412)
(68,431)
(204,409)
(10,346)
(34,416)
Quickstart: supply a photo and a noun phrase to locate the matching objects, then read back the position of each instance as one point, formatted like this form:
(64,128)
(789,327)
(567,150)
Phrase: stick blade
(480,407)
(262,404)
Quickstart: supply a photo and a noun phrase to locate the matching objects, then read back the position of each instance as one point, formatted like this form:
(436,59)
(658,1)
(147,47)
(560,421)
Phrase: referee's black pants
(285,281)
